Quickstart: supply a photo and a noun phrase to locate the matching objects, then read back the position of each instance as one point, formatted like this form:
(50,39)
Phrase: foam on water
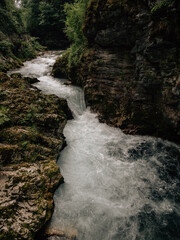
(117,187)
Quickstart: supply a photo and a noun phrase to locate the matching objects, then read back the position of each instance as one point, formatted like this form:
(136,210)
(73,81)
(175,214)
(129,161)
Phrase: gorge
(89,136)
(116,186)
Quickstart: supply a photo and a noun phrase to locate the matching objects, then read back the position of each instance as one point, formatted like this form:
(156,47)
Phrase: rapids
(117,186)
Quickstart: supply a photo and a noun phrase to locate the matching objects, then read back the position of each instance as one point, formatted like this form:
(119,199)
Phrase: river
(117,186)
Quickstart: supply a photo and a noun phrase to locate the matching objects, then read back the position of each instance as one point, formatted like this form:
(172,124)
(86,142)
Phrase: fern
(164,3)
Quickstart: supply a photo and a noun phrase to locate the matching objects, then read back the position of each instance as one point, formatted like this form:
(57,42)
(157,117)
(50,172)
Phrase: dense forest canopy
(45,19)
(16,45)
(23,22)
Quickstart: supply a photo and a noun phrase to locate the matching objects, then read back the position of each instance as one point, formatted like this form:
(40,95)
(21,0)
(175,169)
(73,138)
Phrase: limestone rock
(54,234)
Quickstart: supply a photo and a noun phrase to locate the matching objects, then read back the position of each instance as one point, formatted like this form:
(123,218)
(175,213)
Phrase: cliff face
(130,71)
(133,77)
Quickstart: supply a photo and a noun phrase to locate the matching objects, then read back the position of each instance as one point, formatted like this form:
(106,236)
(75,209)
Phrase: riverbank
(31,129)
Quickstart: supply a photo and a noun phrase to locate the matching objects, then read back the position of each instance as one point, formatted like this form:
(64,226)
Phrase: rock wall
(130,70)
(134,80)
(31,126)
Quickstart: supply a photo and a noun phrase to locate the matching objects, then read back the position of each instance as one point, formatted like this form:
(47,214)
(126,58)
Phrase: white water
(117,187)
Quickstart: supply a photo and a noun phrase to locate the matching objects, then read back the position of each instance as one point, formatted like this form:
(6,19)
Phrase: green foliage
(160,5)
(2,36)
(5,47)
(75,15)
(50,14)
(3,116)
(74,54)
(10,18)
(3,119)
(45,19)
(15,44)
(8,22)
(29,48)
(3,94)
(30,14)
(7,4)
(24,144)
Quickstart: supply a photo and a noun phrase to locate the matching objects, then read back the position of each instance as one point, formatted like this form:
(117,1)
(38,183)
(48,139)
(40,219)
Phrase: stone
(67,83)
(30,142)
(31,80)
(54,234)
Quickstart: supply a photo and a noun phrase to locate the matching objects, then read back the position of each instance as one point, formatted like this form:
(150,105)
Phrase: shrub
(5,47)
(28,48)
(75,15)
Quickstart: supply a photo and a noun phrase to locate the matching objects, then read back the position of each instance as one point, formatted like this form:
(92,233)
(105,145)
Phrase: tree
(75,15)
(45,19)
(15,44)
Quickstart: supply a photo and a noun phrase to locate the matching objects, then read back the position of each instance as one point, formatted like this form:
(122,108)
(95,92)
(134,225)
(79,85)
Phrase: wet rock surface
(31,126)
(53,234)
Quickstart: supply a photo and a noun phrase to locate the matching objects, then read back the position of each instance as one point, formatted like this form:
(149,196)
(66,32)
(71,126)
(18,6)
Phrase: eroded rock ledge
(31,126)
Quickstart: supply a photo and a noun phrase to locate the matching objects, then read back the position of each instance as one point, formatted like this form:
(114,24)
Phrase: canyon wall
(130,69)
(134,80)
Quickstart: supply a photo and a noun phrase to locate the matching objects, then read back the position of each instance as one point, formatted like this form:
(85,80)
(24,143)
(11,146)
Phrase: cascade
(117,186)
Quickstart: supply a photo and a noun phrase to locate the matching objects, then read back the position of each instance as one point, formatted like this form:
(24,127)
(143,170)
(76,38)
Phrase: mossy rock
(31,126)
(4,119)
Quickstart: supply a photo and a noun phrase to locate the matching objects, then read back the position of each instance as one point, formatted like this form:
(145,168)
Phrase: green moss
(35,150)
(3,94)
(24,144)
(8,235)
(4,115)
(52,170)
(60,68)
(3,119)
